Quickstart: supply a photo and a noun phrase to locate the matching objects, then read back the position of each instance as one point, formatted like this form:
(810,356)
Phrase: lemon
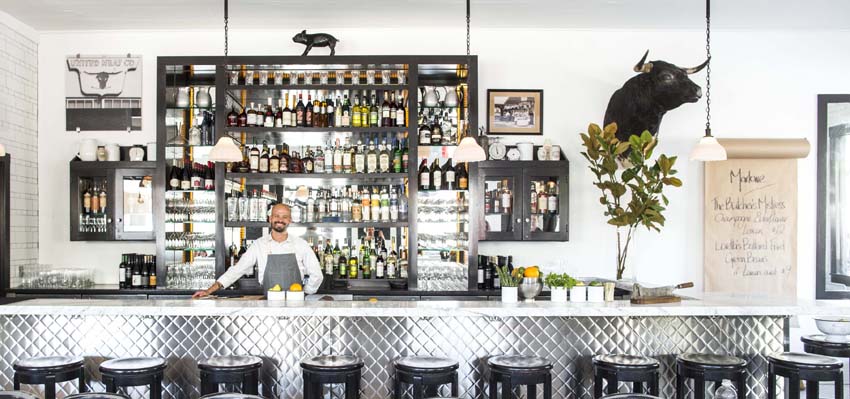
(373,300)
(532,272)
(296,287)
(276,288)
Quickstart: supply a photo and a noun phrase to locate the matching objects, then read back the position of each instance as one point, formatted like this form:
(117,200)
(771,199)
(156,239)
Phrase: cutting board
(656,299)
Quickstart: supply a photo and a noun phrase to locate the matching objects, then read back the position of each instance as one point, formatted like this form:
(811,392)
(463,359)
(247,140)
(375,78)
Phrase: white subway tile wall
(19,133)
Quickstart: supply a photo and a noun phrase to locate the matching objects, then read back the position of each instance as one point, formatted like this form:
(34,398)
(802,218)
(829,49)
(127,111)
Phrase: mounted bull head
(644,99)
(103,77)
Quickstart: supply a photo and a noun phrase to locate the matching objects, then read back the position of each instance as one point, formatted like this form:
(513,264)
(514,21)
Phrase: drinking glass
(308,77)
(340,77)
(370,77)
(264,75)
(402,76)
(355,77)
(249,75)
(323,77)
(293,77)
(234,77)
(386,76)
(278,77)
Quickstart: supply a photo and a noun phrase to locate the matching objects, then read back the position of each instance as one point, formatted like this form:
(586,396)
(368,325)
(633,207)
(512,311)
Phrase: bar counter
(283,333)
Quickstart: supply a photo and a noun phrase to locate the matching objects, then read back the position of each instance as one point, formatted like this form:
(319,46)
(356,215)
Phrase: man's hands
(207,292)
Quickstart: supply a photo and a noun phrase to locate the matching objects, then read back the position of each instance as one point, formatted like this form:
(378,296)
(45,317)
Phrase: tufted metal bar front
(283,341)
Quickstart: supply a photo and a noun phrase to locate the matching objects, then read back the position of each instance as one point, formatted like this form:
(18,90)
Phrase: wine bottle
(264,159)
(449,176)
(122,271)
(436,175)
(232,118)
(209,178)
(299,111)
(186,179)
(308,112)
(252,116)
(254,158)
(424,176)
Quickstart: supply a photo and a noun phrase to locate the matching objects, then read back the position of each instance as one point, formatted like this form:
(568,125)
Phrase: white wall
(764,85)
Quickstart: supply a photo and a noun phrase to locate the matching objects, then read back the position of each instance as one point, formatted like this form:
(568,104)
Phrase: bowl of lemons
(276,293)
(295,293)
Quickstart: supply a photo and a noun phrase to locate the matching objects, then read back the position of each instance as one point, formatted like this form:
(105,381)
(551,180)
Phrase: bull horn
(642,66)
(698,68)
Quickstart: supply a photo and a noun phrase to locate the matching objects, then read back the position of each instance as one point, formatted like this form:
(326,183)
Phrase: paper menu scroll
(750,217)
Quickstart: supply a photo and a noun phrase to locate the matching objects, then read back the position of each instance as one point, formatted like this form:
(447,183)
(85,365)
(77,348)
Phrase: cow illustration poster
(103,92)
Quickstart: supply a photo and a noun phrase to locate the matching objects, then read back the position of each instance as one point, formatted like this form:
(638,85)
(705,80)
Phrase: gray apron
(281,269)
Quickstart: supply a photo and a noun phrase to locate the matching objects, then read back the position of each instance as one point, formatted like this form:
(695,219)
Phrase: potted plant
(509,284)
(578,293)
(595,292)
(643,181)
(559,284)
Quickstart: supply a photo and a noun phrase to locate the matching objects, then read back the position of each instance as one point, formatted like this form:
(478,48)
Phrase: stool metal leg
(397,387)
(812,389)
(110,384)
(637,387)
(547,387)
(839,385)
(251,382)
(156,387)
(613,384)
(532,391)
(494,389)
(653,384)
(352,386)
(307,386)
(699,387)
(507,388)
(454,385)
(680,386)
(418,389)
(794,390)
(207,387)
(16,383)
(50,387)
(771,383)
(597,386)
(742,385)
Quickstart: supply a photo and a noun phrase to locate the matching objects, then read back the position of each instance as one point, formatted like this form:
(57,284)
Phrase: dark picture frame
(832,280)
(515,112)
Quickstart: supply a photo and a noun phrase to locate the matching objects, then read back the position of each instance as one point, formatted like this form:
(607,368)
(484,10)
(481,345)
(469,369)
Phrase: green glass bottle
(352,264)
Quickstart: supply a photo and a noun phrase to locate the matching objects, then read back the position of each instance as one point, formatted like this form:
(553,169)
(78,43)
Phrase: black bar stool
(514,370)
(48,371)
(134,371)
(17,395)
(627,368)
(426,374)
(803,366)
(244,370)
(702,367)
(331,369)
(230,395)
(819,345)
(631,396)
(97,395)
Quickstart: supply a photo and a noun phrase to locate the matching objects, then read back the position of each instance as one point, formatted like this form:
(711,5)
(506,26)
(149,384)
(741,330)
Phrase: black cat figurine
(315,40)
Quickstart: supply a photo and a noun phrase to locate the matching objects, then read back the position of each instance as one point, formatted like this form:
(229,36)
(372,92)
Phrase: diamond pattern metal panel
(283,342)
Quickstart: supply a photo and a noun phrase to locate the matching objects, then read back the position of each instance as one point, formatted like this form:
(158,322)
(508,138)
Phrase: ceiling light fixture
(708,149)
(226,148)
(468,150)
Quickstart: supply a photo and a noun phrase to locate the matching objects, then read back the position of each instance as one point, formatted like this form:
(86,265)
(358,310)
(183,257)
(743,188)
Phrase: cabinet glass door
(134,209)
(545,204)
(502,212)
(91,218)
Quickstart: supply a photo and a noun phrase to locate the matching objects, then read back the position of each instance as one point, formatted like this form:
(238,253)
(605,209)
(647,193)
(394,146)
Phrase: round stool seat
(16,395)
(804,361)
(48,363)
(230,363)
(97,395)
(625,361)
(631,396)
(332,363)
(230,395)
(519,362)
(819,344)
(133,365)
(708,360)
(426,364)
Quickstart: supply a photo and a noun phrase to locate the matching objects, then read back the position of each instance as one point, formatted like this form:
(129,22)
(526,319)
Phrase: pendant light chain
(708,68)
(225,27)
(467,28)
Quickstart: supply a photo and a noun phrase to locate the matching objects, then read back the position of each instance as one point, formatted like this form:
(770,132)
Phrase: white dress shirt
(258,254)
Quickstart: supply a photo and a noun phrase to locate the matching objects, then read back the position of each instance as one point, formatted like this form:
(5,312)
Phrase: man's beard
(279,227)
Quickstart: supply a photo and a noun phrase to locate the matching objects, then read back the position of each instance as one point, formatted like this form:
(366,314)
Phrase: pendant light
(468,150)
(225,149)
(708,149)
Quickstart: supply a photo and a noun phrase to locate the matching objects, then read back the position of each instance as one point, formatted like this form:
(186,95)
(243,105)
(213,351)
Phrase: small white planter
(596,294)
(559,294)
(578,294)
(509,294)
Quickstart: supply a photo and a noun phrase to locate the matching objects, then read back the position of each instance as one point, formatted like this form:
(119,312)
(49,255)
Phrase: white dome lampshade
(708,149)
(225,150)
(469,151)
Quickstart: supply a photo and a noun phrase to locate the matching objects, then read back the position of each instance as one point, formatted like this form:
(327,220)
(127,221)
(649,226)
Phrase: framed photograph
(511,111)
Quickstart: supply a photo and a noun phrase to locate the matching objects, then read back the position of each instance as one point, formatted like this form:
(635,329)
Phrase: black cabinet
(112,201)
(523,201)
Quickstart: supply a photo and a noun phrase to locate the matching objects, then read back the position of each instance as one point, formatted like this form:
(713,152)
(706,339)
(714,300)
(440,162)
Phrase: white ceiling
(59,15)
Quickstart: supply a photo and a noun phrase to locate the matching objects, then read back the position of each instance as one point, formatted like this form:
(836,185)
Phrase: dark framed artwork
(833,212)
(513,111)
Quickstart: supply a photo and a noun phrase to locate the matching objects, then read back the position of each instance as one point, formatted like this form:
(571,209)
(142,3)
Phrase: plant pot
(559,294)
(596,294)
(578,294)
(509,294)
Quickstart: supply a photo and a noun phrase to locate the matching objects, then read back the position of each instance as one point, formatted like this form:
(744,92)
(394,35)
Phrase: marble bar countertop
(709,305)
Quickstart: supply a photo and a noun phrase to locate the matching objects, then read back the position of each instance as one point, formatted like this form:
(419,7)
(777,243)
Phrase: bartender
(281,259)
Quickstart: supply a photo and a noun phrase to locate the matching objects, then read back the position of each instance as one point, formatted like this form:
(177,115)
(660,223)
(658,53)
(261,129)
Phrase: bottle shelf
(356,87)
(377,225)
(189,249)
(272,178)
(262,129)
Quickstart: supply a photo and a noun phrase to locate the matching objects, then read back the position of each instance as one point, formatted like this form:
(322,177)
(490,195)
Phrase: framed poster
(103,92)
(511,111)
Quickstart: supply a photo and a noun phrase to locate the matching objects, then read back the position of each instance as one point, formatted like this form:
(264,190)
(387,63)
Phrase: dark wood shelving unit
(344,87)
(262,130)
(377,225)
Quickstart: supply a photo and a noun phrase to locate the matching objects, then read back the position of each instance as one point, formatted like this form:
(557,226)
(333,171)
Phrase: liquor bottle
(174,177)
(209,178)
(137,272)
(436,132)
(366,205)
(345,113)
(186,180)
(307,161)
(384,158)
(94,200)
(319,160)
(356,117)
(373,112)
(436,175)
(308,112)
(402,263)
(299,111)
(424,133)
(264,159)
(532,199)
(295,164)
(393,205)
(385,205)
(462,177)
(353,268)
(284,158)
(356,207)
(342,264)
(542,200)
(488,275)
(337,158)
(449,176)
(405,156)
(122,267)
(144,268)
(371,158)
(268,118)
(345,206)
(400,119)
(317,112)
(359,158)
(254,158)
(278,114)
(286,114)
(424,176)
(553,197)
(102,197)
(232,118)
(242,120)
(389,109)
(392,260)
(366,261)
(152,280)
(375,204)
(329,259)
(274,162)
(397,161)
(347,157)
(251,116)
(330,113)
(480,272)
(506,198)
(197,179)
(380,265)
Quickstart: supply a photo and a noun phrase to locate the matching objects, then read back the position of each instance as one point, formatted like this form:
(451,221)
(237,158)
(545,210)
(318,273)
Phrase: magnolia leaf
(621,148)
(594,129)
